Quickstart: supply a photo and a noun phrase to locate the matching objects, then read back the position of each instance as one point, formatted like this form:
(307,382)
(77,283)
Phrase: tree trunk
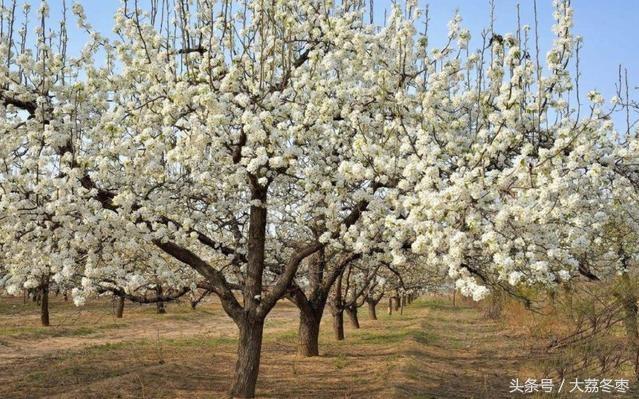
(251,324)
(308,337)
(44,304)
(249,349)
(396,303)
(390,305)
(119,308)
(372,314)
(338,324)
(160,304)
(352,316)
(402,303)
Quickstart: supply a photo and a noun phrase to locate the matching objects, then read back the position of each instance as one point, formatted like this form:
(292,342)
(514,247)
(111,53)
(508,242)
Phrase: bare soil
(433,350)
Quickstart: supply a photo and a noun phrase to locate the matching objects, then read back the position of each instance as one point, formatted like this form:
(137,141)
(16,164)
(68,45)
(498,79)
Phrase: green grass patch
(395,337)
(46,332)
(198,342)
(340,361)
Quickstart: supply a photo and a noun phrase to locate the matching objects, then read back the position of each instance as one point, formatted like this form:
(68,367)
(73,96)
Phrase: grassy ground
(433,350)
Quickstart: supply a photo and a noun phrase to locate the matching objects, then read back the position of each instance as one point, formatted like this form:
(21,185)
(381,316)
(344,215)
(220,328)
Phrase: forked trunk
(247,366)
(352,316)
(251,325)
(372,313)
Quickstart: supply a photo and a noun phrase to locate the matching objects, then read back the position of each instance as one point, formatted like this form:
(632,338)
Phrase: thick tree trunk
(251,325)
(44,304)
(338,324)
(248,359)
(352,316)
(396,303)
(119,307)
(308,344)
(372,313)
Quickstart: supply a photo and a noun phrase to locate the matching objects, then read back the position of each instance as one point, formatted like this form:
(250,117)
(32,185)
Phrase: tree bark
(390,305)
(249,349)
(44,304)
(251,325)
(160,304)
(352,316)
(396,303)
(308,339)
(119,307)
(338,324)
(372,313)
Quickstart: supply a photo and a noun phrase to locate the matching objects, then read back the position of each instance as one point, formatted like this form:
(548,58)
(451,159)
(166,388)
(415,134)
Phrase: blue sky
(610,30)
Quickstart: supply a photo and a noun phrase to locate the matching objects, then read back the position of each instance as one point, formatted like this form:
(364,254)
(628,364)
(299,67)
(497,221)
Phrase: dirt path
(461,354)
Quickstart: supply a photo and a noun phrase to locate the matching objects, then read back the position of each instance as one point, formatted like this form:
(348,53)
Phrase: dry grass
(432,351)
